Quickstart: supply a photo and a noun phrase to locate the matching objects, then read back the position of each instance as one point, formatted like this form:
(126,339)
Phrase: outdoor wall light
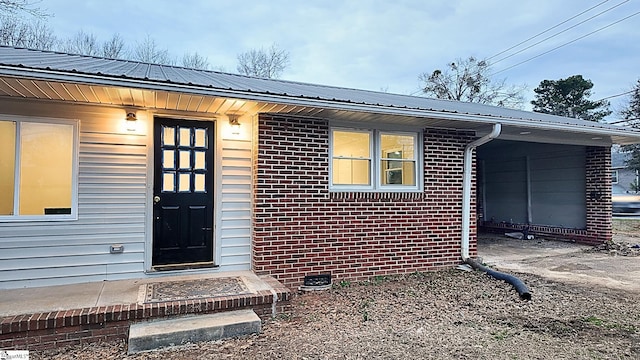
(131,121)
(235,124)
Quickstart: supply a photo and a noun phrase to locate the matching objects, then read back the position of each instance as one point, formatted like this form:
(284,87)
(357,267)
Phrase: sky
(384,45)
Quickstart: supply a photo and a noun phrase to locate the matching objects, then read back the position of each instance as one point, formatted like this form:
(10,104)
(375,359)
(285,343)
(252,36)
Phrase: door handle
(156,199)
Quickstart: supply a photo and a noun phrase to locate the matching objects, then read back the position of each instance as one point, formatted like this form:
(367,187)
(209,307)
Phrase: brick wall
(598,173)
(300,228)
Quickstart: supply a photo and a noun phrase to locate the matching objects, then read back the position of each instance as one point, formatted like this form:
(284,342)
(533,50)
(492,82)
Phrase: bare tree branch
(19,33)
(13,7)
(114,48)
(195,61)
(269,63)
(81,43)
(147,51)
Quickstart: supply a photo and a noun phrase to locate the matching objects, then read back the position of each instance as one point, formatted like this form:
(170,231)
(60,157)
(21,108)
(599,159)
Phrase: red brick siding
(598,176)
(300,228)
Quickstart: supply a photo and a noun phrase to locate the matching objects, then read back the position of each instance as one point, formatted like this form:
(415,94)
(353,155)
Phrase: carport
(558,189)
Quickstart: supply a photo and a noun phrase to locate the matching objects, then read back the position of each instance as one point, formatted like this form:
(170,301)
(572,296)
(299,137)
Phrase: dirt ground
(585,305)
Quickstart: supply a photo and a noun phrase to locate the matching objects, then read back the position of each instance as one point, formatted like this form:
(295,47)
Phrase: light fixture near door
(131,121)
(234,123)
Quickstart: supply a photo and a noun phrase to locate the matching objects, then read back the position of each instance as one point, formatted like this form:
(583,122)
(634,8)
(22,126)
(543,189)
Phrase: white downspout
(466,186)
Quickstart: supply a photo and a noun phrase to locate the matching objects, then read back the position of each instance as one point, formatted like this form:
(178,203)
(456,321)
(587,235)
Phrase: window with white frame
(614,176)
(374,160)
(38,165)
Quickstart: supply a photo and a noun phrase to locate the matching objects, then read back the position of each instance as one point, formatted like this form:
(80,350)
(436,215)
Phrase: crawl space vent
(316,282)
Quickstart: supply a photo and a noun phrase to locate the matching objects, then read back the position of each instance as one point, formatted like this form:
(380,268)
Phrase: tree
(269,63)
(147,51)
(81,43)
(469,80)
(568,97)
(114,48)
(195,61)
(19,33)
(16,6)
(631,113)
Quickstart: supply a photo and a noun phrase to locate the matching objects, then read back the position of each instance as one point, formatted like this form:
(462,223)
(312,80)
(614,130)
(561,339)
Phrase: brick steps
(39,331)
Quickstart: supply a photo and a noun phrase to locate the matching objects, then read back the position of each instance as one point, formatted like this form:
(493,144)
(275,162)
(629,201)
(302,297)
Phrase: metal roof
(54,66)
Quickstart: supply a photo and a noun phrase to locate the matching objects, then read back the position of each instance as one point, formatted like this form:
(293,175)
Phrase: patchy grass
(626,226)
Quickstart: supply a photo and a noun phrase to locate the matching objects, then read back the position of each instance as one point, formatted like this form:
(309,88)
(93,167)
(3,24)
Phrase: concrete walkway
(561,261)
(104,293)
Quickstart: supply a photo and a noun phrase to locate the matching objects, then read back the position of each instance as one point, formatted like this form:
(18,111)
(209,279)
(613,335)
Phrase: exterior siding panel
(235,194)
(112,208)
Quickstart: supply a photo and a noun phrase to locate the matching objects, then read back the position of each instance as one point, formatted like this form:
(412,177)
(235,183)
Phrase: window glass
(374,159)
(614,176)
(398,159)
(351,158)
(46,169)
(7,166)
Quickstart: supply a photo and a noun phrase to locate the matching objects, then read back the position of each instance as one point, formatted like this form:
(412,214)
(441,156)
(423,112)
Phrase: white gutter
(466,186)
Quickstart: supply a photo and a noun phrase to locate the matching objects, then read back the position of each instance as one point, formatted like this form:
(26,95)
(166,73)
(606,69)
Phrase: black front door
(183,192)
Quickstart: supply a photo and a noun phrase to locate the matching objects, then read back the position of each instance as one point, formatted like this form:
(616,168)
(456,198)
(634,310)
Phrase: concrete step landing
(156,334)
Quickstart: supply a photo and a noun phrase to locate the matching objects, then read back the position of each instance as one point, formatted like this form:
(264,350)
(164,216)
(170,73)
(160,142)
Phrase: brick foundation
(300,228)
(79,326)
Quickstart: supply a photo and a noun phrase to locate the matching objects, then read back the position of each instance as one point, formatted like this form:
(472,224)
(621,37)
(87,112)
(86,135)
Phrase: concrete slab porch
(47,317)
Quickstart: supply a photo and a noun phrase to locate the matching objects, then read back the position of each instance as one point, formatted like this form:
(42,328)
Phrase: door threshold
(188,266)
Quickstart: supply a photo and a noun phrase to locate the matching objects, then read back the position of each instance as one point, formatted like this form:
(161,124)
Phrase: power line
(560,32)
(546,31)
(617,95)
(623,121)
(565,44)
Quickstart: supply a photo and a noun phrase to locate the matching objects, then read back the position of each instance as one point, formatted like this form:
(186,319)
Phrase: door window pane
(46,168)
(185,137)
(168,182)
(184,182)
(200,162)
(199,183)
(201,138)
(168,136)
(168,159)
(185,159)
(7,166)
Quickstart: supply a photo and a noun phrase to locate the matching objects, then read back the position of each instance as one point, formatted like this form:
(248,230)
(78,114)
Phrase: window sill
(356,194)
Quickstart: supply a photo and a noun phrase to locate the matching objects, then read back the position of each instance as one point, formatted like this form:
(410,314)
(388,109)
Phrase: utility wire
(623,121)
(546,31)
(615,96)
(567,43)
(558,33)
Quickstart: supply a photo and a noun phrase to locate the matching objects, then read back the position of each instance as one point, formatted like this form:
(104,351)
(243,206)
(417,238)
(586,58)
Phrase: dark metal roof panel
(35,59)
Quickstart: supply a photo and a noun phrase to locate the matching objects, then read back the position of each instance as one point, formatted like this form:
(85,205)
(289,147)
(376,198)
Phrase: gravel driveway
(450,314)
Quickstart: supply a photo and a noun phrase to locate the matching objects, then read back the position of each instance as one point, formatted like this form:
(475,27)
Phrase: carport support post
(466,186)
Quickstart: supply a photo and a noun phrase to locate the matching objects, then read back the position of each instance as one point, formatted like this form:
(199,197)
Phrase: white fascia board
(91,79)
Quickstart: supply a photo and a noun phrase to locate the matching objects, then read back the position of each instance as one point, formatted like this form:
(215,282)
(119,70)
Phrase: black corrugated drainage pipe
(521,288)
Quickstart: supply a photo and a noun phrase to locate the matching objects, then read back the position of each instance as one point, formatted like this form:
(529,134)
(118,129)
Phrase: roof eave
(104,80)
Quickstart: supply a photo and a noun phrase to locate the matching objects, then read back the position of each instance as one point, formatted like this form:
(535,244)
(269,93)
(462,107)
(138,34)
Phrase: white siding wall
(235,195)
(113,206)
